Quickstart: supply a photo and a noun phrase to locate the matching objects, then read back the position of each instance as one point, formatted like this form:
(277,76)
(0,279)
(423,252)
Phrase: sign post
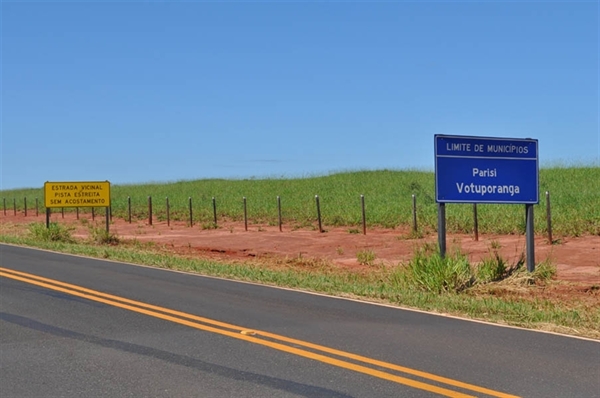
(77,194)
(442,228)
(487,170)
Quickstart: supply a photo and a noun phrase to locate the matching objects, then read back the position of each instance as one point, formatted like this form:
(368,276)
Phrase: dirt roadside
(577,259)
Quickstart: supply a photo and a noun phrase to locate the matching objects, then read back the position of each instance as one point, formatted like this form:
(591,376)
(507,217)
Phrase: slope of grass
(575,194)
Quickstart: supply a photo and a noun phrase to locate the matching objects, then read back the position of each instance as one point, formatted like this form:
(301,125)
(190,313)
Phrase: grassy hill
(575,198)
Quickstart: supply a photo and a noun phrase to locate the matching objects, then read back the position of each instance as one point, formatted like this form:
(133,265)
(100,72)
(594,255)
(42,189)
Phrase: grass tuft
(366,257)
(429,271)
(102,237)
(55,232)
(495,268)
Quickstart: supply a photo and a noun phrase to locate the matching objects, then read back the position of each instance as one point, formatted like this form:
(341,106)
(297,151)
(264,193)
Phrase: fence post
(129,209)
(364,215)
(150,210)
(62,211)
(245,215)
(15,206)
(414,213)
(319,212)
(549,217)
(25,205)
(37,209)
(168,212)
(214,204)
(191,214)
(475,222)
(77,212)
(93,214)
(279,212)
(4,205)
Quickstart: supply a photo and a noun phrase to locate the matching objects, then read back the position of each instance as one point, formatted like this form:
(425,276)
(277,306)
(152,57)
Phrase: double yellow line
(282,343)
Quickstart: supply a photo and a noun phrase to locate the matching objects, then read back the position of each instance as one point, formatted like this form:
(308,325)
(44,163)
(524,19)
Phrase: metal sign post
(486,170)
(442,228)
(529,237)
(107,219)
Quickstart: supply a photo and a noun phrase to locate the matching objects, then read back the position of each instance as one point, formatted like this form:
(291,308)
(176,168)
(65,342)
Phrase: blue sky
(136,91)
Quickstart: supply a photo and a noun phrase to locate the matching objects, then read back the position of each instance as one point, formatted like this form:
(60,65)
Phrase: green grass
(575,194)
(430,272)
(53,233)
(102,236)
(366,257)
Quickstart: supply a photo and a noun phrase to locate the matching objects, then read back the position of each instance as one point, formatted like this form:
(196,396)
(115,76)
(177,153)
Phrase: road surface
(73,327)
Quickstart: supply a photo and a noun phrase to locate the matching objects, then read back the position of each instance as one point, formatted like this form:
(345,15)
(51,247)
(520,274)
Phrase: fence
(132,213)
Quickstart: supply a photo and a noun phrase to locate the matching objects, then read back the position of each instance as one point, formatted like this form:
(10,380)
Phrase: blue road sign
(486,170)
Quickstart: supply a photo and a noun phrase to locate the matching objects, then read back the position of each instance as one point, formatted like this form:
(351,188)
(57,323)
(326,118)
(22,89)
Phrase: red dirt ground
(577,258)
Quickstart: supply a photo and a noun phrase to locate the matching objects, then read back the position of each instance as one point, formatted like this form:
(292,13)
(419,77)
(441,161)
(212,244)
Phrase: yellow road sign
(77,194)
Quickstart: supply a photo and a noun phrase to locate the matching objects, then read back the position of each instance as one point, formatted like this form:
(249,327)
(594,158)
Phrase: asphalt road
(140,331)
